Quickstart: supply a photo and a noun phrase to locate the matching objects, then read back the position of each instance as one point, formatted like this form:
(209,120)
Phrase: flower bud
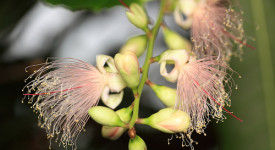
(105,116)
(125,114)
(169,120)
(137,16)
(128,67)
(114,133)
(137,144)
(170,5)
(177,57)
(136,44)
(166,94)
(175,41)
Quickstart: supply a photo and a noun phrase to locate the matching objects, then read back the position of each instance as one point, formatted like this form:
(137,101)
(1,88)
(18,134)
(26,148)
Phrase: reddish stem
(124,4)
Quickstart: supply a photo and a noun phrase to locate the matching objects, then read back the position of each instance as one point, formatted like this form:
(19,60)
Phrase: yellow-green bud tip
(137,144)
(128,67)
(105,116)
(166,94)
(136,44)
(169,120)
(137,16)
(175,41)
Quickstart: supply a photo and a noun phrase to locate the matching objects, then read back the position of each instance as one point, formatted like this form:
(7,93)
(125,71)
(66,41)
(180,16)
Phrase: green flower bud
(170,5)
(166,94)
(128,67)
(114,133)
(105,116)
(137,16)
(137,144)
(168,120)
(136,44)
(125,114)
(175,41)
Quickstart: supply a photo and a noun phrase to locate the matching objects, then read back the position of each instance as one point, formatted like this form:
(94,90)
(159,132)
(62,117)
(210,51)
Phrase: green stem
(145,68)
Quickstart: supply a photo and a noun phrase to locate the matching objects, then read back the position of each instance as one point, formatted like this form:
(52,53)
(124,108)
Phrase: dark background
(31,31)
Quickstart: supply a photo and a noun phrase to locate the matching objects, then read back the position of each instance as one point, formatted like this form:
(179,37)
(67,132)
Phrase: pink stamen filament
(217,102)
(58,91)
(238,40)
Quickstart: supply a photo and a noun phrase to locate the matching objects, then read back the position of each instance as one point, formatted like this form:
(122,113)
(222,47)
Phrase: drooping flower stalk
(62,93)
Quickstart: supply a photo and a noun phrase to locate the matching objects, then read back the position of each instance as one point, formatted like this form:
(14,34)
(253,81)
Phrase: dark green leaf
(90,4)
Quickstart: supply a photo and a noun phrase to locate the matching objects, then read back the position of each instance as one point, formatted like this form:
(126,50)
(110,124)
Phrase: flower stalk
(151,37)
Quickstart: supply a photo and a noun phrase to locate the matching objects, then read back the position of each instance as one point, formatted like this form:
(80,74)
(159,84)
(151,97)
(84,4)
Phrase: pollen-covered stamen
(59,91)
(218,102)
(238,40)
(216,28)
(62,93)
(201,91)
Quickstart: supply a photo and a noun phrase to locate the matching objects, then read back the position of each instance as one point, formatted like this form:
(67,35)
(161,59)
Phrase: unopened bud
(125,114)
(137,144)
(175,41)
(170,5)
(166,94)
(128,67)
(105,116)
(137,16)
(169,120)
(114,133)
(136,44)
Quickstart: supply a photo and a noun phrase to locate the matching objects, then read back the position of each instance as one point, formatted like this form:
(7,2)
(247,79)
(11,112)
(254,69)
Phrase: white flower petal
(111,100)
(115,82)
(172,76)
(101,60)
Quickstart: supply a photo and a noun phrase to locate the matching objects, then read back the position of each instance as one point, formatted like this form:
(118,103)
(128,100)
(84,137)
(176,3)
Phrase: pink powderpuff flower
(216,28)
(200,87)
(62,93)
(201,91)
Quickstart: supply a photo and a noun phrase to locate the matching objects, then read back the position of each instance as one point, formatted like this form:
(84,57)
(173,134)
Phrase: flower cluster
(65,92)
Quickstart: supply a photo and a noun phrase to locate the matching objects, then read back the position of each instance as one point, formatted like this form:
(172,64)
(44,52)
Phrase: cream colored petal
(101,60)
(179,57)
(172,76)
(184,23)
(115,82)
(111,100)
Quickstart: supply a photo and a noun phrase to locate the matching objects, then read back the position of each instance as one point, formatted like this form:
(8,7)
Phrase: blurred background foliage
(31,31)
